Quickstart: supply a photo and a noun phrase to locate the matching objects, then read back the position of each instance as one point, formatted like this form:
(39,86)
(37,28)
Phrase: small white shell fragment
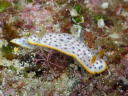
(101,23)
(3,43)
(126,1)
(73,13)
(76,30)
(104,5)
(1,93)
(56,28)
(114,36)
(69,45)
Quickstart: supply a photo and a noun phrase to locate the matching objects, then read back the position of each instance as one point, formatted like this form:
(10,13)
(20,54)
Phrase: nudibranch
(67,44)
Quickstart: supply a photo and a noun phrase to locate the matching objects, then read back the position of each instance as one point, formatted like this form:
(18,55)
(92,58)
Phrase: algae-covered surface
(101,24)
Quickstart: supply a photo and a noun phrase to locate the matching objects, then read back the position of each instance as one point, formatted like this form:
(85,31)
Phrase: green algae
(7,52)
(4,5)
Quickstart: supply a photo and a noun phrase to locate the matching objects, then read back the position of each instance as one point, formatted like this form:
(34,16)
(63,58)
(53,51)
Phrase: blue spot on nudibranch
(100,67)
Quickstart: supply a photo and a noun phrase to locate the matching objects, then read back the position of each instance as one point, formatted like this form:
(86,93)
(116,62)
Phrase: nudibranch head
(71,46)
(23,42)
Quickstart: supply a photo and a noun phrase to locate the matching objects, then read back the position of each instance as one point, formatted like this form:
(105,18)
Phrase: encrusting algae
(67,44)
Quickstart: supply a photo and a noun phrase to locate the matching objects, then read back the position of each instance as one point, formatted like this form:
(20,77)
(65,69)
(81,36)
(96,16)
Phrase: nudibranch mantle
(67,44)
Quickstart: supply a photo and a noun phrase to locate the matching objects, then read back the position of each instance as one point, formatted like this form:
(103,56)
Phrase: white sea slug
(67,44)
